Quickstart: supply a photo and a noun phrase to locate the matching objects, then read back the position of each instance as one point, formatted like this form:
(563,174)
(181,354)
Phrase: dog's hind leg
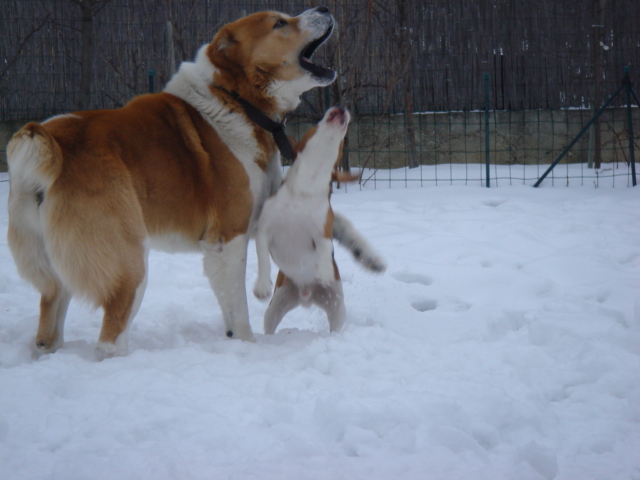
(119,310)
(53,311)
(35,162)
(347,236)
(30,255)
(286,297)
(331,300)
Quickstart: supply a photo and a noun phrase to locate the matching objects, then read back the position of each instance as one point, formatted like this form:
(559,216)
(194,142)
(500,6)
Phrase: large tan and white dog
(185,169)
(297,227)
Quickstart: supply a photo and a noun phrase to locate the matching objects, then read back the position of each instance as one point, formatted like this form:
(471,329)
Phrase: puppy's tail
(347,236)
(34,158)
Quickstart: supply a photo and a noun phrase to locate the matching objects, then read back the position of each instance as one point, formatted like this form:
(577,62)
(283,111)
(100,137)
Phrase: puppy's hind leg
(331,300)
(286,297)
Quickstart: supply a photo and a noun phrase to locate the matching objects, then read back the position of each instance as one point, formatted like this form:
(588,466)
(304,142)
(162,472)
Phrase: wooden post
(170,50)
(87,53)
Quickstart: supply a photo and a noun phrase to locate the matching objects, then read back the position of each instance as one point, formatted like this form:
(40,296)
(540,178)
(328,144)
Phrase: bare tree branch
(18,53)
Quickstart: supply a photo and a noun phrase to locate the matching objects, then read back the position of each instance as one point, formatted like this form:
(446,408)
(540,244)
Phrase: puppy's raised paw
(325,274)
(262,289)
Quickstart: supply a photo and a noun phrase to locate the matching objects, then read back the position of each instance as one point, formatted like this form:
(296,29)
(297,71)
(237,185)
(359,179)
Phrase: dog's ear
(303,141)
(222,53)
(223,40)
(220,48)
(295,146)
(336,165)
(341,176)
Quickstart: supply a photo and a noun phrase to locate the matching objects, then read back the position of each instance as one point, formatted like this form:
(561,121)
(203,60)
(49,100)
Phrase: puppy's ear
(341,176)
(295,145)
(303,141)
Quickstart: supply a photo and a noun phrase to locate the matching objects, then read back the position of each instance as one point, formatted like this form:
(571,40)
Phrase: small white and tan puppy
(297,228)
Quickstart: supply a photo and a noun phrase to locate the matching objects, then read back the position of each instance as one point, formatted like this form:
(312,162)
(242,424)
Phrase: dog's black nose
(322,9)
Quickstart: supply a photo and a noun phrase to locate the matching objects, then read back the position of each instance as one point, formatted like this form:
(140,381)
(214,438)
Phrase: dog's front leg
(225,265)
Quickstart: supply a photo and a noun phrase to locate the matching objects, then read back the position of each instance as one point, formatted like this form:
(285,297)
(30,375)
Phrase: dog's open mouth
(318,71)
(338,116)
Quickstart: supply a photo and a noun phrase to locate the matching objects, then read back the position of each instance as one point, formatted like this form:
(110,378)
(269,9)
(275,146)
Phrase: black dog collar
(276,129)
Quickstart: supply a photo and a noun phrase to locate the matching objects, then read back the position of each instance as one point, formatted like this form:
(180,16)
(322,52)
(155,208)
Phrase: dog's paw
(244,334)
(325,276)
(106,350)
(262,288)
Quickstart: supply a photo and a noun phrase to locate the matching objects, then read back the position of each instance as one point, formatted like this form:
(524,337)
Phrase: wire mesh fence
(453,148)
(411,71)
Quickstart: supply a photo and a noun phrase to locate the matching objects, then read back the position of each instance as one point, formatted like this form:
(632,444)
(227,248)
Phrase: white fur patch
(120,348)
(63,115)
(172,243)
(25,154)
(287,94)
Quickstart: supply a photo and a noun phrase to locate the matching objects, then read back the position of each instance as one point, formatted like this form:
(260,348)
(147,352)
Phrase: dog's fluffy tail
(348,237)
(34,158)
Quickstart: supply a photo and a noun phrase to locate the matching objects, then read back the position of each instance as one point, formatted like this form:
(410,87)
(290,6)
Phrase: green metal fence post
(152,74)
(627,81)
(486,128)
(584,129)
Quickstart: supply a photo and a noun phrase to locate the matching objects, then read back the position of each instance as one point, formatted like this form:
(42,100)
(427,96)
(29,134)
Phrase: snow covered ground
(503,342)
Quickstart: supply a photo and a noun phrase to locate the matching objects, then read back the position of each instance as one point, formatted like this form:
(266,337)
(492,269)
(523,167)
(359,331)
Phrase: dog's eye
(279,24)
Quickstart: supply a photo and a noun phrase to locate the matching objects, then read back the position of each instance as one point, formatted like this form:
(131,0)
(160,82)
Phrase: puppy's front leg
(262,287)
(325,274)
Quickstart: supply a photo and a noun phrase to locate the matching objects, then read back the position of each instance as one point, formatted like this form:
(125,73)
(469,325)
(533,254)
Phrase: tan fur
(88,189)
